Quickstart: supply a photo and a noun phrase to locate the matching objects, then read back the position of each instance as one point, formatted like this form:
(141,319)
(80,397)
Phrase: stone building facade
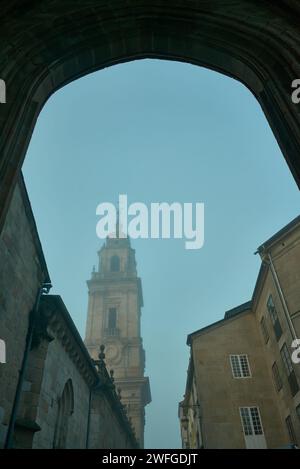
(52,394)
(23,271)
(114,319)
(71,392)
(243,388)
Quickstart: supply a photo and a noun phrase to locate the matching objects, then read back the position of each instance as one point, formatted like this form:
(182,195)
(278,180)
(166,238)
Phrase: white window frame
(239,357)
(251,421)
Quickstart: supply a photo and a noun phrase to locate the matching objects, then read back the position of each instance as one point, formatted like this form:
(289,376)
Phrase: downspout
(282,297)
(200,425)
(93,388)
(45,288)
(88,421)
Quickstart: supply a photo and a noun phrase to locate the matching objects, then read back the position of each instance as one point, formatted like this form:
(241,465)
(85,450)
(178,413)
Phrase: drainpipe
(89,419)
(93,388)
(45,288)
(88,422)
(280,292)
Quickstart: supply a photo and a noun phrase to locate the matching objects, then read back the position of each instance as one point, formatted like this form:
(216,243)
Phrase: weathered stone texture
(22,270)
(60,376)
(58,368)
(105,430)
(221,396)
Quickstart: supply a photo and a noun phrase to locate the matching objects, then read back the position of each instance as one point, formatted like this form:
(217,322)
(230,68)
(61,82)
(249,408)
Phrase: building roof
(262,272)
(238,310)
(277,236)
(55,303)
(33,227)
(230,314)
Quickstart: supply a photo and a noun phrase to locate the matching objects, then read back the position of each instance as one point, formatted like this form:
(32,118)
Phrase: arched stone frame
(65,408)
(45,45)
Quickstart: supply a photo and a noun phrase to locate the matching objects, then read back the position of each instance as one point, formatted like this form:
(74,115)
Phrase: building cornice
(33,228)
(61,326)
(277,237)
(241,310)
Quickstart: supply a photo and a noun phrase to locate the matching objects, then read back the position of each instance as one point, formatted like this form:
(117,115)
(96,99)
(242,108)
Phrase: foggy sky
(159,132)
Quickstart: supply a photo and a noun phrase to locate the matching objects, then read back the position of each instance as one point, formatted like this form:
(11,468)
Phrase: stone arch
(45,45)
(65,408)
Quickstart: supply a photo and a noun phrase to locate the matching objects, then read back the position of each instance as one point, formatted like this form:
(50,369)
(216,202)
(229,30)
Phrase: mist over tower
(114,319)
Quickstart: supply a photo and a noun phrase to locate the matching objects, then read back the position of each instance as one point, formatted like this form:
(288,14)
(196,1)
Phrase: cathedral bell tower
(114,319)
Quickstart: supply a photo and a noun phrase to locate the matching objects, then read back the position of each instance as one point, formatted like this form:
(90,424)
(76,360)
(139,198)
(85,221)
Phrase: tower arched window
(115,264)
(112,318)
(65,408)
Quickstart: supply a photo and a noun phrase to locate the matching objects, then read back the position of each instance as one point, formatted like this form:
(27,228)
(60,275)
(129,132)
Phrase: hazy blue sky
(160,131)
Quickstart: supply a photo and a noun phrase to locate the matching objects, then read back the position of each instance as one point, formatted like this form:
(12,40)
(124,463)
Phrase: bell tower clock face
(113,353)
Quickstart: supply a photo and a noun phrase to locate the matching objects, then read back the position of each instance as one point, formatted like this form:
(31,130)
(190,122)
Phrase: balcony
(112,332)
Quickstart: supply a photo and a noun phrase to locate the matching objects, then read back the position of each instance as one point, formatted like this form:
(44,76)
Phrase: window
(115,264)
(264,329)
(274,318)
(112,318)
(286,359)
(291,431)
(276,377)
(298,411)
(251,421)
(65,408)
(288,366)
(240,366)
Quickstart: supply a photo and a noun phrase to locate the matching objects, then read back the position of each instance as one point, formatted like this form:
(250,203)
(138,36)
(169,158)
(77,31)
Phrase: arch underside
(45,45)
